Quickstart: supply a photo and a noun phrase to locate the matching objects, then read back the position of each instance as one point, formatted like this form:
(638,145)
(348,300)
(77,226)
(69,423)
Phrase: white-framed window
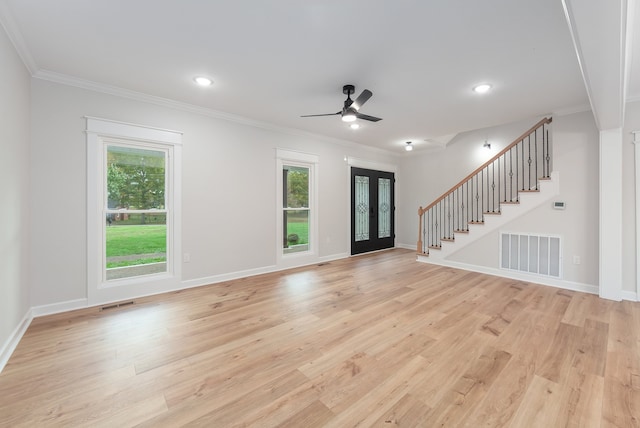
(297,204)
(135,195)
(133,210)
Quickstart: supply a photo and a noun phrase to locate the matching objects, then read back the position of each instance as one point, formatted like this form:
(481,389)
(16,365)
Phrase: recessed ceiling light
(203,81)
(354,126)
(408,147)
(482,88)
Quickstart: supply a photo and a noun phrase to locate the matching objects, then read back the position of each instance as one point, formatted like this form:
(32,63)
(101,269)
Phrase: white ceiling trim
(568,13)
(11,28)
(570,110)
(441,141)
(628,53)
(602,55)
(177,105)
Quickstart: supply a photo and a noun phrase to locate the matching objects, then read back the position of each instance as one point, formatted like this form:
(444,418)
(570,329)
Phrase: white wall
(575,157)
(629,254)
(14,188)
(229,194)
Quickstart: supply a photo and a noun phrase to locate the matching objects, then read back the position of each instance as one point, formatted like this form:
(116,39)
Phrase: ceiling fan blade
(362,98)
(367,117)
(317,115)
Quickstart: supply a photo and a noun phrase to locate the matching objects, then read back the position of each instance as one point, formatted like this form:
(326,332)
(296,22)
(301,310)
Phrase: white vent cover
(537,254)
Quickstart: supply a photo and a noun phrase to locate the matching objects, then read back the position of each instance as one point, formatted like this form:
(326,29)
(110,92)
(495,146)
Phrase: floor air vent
(116,305)
(537,254)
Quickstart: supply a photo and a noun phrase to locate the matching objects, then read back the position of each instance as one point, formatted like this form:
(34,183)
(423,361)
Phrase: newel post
(419,247)
(636,144)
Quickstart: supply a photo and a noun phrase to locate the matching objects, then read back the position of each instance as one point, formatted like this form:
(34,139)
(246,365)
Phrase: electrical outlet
(576,260)
(186,257)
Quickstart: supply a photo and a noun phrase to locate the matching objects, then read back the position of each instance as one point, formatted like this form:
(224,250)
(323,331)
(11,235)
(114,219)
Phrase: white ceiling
(273,61)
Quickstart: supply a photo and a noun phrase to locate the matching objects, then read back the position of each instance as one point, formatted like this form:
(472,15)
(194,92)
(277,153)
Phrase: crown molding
(65,79)
(571,110)
(586,107)
(8,22)
(569,16)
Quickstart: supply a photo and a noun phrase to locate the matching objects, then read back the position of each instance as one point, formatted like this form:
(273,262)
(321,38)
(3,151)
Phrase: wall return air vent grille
(535,254)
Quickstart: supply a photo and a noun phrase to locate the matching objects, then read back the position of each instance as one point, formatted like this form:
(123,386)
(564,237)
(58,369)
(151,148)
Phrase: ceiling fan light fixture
(350,109)
(349,116)
(408,147)
(354,125)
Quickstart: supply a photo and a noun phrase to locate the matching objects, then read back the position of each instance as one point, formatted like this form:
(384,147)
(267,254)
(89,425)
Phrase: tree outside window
(136,231)
(295,208)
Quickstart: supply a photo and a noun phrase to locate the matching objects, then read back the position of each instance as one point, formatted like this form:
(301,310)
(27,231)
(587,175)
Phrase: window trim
(306,160)
(100,133)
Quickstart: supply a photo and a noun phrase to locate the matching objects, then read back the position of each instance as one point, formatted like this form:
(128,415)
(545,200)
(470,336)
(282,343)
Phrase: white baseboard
(11,344)
(333,257)
(198,282)
(56,308)
(630,295)
(407,246)
(567,285)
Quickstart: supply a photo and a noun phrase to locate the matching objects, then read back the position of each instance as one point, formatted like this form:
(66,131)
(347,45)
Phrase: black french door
(372,210)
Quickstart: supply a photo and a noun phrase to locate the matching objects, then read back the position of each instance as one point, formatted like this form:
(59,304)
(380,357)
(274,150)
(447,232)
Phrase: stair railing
(517,168)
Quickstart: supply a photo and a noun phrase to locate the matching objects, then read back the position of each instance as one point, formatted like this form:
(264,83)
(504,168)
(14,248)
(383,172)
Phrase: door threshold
(373,251)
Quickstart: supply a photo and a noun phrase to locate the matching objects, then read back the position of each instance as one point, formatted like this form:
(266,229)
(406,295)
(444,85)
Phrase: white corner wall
(229,189)
(14,188)
(575,157)
(629,249)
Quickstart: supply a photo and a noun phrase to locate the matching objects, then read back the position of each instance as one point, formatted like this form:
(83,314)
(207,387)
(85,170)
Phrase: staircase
(507,186)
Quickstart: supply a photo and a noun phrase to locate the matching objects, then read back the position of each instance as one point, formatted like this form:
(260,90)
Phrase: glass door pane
(361,208)
(384,207)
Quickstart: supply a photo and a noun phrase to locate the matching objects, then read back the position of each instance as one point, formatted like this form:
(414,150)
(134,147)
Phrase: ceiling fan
(350,111)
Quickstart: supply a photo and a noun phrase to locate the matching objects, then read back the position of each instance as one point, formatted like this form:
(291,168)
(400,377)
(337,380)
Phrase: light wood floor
(376,340)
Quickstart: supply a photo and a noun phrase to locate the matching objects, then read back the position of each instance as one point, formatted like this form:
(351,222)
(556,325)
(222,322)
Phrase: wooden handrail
(544,121)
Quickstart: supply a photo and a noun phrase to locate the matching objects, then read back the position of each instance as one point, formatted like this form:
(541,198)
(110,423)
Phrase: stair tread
(447,239)
(492,212)
(434,247)
(510,202)
(476,222)
(529,190)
